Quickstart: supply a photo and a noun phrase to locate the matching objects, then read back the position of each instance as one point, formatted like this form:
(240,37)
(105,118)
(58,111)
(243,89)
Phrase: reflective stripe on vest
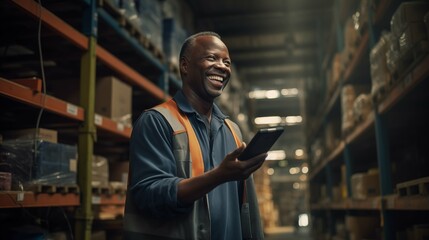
(171,112)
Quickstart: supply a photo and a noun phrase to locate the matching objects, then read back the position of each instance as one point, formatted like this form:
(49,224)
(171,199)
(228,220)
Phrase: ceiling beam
(264,49)
(286,74)
(272,61)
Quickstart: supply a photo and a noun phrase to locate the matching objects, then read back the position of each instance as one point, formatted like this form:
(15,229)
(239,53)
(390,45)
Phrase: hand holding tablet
(261,142)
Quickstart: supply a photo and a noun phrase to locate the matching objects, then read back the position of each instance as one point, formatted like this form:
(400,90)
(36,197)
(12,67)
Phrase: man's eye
(227,63)
(211,58)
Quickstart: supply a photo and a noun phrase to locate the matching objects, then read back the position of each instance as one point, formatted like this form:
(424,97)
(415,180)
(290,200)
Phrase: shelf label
(71,109)
(20,197)
(98,120)
(96,199)
(120,127)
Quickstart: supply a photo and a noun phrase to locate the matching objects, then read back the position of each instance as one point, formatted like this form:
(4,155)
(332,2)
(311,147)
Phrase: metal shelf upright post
(382,147)
(87,131)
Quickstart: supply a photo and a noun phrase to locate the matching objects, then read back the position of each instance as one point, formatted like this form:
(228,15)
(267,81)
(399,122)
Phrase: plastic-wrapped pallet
(406,13)
(54,163)
(336,72)
(392,53)
(150,14)
(351,41)
(348,96)
(100,171)
(362,107)
(130,12)
(173,37)
(414,33)
(380,75)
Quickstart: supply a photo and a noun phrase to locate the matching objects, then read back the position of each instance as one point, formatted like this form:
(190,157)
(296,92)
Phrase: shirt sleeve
(153,181)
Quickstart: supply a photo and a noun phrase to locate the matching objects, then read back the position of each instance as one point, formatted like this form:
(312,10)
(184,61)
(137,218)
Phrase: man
(192,190)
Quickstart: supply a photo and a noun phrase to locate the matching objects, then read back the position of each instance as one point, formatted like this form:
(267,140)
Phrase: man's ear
(183,65)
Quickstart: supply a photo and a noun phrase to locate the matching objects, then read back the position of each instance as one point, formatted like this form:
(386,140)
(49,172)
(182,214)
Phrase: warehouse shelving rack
(103,47)
(373,142)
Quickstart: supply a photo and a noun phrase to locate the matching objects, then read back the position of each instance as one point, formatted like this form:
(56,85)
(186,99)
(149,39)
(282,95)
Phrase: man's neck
(200,105)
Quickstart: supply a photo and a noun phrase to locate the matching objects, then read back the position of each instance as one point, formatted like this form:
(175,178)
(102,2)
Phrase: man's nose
(222,65)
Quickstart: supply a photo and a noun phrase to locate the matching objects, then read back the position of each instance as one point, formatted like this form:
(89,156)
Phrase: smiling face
(206,68)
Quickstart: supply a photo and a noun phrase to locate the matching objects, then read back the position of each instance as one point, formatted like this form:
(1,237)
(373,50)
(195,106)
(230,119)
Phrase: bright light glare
(271,94)
(295,186)
(303,220)
(270,171)
(290,92)
(274,93)
(294,170)
(304,170)
(268,120)
(241,117)
(276,155)
(299,152)
(293,119)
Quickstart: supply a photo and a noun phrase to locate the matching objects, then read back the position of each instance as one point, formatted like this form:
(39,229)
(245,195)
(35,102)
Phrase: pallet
(414,187)
(50,188)
(114,11)
(118,188)
(101,190)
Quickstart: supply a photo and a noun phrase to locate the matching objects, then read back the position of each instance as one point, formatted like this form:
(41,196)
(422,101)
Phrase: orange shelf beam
(16,199)
(112,126)
(37,99)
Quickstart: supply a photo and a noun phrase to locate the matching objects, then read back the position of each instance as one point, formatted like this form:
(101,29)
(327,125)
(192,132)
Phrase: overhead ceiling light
(271,94)
(268,120)
(276,155)
(289,92)
(290,120)
(276,120)
(274,93)
(294,170)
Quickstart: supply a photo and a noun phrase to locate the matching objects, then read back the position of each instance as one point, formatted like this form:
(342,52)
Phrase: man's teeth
(217,78)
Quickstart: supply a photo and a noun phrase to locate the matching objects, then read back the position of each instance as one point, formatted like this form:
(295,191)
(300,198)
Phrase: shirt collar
(184,106)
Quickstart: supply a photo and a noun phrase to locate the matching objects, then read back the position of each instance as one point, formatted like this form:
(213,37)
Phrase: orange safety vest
(189,162)
(195,152)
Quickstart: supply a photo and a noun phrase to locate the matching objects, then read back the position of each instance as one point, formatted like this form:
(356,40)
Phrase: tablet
(262,142)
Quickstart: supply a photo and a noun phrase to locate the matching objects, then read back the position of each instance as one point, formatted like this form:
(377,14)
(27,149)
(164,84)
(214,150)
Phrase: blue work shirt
(154,181)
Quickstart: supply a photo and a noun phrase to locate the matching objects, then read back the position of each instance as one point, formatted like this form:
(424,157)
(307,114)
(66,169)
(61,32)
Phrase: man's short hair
(189,41)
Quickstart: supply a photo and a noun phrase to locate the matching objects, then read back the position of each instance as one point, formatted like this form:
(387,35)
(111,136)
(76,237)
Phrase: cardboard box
(362,227)
(113,99)
(44,134)
(119,172)
(365,185)
(100,171)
